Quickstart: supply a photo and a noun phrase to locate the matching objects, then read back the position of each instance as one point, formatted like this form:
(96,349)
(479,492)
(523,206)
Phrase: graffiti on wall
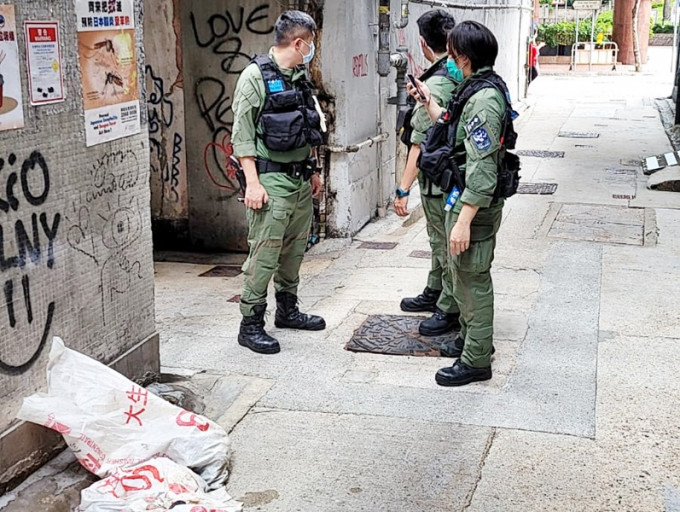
(360,65)
(26,246)
(161,115)
(222,35)
(106,227)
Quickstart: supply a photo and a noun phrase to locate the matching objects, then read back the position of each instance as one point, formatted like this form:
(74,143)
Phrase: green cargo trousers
(438,278)
(473,287)
(277,236)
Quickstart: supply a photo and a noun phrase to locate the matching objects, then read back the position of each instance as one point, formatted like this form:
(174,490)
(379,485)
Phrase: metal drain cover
(540,154)
(426,255)
(394,335)
(579,135)
(222,271)
(542,189)
(604,224)
(381,246)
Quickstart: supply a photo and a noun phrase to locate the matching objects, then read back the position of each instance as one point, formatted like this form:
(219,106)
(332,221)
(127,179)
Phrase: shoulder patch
(480,138)
(474,123)
(275,85)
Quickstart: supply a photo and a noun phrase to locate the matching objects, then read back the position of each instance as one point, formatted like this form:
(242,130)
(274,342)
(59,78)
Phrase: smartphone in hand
(412,79)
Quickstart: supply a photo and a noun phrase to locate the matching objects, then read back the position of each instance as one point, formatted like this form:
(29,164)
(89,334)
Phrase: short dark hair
(291,25)
(476,42)
(434,27)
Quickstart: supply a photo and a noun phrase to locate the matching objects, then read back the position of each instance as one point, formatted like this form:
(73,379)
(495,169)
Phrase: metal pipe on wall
(403,21)
(384,38)
(458,5)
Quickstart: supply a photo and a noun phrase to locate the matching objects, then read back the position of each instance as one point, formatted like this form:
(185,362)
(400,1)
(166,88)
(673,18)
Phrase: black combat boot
(460,374)
(439,323)
(253,335)
(455,347)
(288,315)
(426,301)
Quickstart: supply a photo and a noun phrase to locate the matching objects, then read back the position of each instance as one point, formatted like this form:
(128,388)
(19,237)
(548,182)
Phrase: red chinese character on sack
(127,20)
(139,398)
(11,36)
(123,483)
(55,425)
(192,421)
(90,463)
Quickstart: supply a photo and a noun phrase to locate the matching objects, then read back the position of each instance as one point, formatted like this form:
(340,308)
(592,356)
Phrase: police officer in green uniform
(473,222)
(437,297)
(276,123)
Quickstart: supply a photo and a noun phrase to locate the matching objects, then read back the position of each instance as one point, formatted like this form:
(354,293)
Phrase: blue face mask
(453,69)
(306,59)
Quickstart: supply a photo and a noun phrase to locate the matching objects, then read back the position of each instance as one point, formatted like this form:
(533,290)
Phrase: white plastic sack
(157,485)
(110,422)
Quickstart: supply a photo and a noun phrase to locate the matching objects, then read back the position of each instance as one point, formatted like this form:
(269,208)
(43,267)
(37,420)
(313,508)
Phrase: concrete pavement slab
(353,463)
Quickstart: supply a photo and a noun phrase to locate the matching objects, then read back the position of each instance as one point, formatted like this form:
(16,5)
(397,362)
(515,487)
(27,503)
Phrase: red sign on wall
(45,79)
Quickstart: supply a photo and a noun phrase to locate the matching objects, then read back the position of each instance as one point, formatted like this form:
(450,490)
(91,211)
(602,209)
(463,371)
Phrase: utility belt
(299,170)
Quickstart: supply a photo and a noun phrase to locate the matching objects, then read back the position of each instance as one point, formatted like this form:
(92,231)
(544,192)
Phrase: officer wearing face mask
(437,297)
(277,122)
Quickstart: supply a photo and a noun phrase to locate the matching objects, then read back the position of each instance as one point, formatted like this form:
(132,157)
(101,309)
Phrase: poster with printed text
(43,54)
(11,100)
(108,63)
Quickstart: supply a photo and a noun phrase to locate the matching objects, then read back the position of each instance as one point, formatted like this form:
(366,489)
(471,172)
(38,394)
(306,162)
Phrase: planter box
(548,51)
(661,40)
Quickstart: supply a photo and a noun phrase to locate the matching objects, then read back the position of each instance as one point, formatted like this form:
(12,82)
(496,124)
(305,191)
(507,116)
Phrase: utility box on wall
(75,235)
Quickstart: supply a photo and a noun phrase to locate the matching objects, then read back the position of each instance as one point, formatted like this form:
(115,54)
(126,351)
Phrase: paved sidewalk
(582,411)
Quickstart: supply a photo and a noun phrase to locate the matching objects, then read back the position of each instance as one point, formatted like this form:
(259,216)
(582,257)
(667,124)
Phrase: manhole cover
(235,298)
(583,146)
(383,246)
(579,135)
(537,188)
(623,196)
(394,335)
(540,154)
(426,255)
(604,224)
(222,271)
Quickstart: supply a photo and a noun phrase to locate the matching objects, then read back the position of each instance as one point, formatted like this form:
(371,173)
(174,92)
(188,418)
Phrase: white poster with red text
(43,54)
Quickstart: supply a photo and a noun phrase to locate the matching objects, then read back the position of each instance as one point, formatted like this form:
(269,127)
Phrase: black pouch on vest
(508,175)
(284,131)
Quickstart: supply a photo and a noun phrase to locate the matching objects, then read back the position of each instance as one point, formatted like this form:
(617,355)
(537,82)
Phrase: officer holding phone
(438,294)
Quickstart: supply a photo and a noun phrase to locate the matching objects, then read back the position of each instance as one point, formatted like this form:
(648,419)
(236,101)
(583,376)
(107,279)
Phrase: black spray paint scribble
(26,245)
(161,113)
(107,232)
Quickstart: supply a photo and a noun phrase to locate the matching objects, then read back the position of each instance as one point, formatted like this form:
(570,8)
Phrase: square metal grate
(223,271)
(425,255)
(542,189)
(540,153)
(394,335)
(381,246)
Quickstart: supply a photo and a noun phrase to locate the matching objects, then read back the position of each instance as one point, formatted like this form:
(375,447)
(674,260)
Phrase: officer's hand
(315,181)
(401,206)
(256,196)
(427,95)
(459,240)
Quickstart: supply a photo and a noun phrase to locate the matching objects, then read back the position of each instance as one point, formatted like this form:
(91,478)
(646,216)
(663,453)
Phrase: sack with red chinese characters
(110,422)
(158,485)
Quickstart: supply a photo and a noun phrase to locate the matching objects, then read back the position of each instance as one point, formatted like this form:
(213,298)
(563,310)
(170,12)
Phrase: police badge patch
(481,139)
(473,124)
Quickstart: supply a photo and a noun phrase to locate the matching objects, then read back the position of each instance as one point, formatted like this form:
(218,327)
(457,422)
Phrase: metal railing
(592,53)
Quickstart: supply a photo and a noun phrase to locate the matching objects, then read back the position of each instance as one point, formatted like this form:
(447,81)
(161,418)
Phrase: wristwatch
(401,193)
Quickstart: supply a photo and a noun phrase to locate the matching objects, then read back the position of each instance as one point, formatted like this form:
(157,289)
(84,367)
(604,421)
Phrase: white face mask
(306,59)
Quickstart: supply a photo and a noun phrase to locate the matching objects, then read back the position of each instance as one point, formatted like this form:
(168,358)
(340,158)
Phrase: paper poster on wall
(11,101)
(108,63)
(45,80)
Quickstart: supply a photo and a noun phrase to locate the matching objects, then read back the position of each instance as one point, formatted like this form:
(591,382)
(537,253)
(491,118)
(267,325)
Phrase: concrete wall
(219,37)
(358,183)
(167,137)
(83,216)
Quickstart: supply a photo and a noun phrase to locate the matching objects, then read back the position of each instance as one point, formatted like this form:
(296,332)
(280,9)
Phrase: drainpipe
(404,15)
(384,38)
